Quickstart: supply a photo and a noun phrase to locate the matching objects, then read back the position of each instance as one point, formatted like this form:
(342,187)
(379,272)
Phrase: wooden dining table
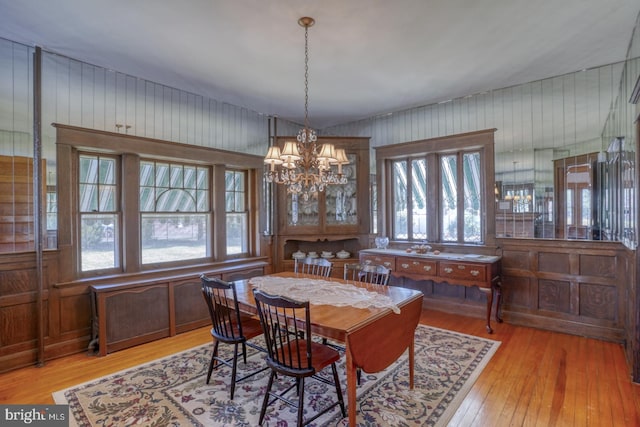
(374,337)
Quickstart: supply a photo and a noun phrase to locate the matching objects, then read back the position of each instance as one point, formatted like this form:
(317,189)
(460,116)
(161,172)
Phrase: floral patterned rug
(173,391)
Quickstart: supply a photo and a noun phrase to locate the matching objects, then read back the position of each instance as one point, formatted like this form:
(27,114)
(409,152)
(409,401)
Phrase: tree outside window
(237,215)
(175,212)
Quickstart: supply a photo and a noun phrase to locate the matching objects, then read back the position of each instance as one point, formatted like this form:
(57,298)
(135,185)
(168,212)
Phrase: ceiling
(367,57)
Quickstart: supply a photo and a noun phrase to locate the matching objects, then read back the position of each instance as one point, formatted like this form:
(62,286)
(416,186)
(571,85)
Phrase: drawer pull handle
(386,264)
(405,265)
(461,267)
(416,263)
(448,270)
(427,268)
(474,272)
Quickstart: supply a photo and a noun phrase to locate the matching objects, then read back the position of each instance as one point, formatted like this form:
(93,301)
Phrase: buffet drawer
(464,271)
(416,266)
(387,261)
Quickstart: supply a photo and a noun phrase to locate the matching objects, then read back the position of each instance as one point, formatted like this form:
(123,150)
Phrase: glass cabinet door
(301,212)
(342,200)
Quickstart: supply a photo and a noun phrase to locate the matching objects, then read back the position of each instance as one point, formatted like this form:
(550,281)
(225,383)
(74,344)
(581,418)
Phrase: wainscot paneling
(19,312)
(576,287)
(190,311)
(143,307)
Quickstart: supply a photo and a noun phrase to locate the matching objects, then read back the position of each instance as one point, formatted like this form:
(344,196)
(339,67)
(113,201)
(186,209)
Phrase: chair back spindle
(315,266)
(229,326)
(369,273)
(290,352)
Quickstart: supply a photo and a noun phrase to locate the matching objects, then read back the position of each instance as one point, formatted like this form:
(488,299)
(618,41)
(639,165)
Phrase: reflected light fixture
(300,166)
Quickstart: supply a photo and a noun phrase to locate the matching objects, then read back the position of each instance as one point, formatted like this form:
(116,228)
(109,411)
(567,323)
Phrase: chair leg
(336,380)
(213,360)
(265,401)
(300,402)
(234,369)
(244,352)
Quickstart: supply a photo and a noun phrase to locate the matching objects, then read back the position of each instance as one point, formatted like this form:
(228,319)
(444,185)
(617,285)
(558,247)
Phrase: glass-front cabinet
(339,203)
(334,220)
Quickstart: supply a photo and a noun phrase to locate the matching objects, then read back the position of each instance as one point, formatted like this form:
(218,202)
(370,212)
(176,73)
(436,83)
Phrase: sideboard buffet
(482,271)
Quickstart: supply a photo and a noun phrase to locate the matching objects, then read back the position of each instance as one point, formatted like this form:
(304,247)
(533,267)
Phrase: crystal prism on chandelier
(299,166)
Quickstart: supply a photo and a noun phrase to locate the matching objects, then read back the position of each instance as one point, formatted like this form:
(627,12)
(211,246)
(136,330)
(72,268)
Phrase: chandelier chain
(300,166)
(306,76)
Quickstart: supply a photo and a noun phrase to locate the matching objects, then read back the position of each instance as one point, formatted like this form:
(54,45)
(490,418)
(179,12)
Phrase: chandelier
(300,166)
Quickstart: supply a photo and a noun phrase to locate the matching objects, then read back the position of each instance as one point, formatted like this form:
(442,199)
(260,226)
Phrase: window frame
(245,212)
(116,212)
(432,150)
(159,190)
(130,150)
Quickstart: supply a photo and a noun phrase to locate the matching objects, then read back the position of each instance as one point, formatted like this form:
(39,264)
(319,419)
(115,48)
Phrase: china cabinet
(336,219)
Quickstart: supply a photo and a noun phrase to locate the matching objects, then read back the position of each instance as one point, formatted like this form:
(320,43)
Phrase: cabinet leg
(498,289)
(489,293)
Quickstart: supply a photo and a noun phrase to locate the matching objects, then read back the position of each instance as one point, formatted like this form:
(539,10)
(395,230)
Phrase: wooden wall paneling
(598,265)
(445,290)
(18,323)
(153,305)
(599,302)
(56,316)
(243,274)
(574,287)
(574,297)
(130,217)
(75,313)
(67,210)
(109,98)
(474,294)
(554,295)
(518,292)
(518,260)
(633,294)
(190,308)
(18,302)
(134,316)
(553,262)
(17,232)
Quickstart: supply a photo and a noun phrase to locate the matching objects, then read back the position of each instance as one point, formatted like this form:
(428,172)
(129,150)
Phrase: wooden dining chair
(229,326)
(369,273)
(315,266)
(291,352)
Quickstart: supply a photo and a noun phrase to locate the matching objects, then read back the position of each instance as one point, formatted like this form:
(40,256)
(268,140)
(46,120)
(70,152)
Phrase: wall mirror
(552,135)
(565,166)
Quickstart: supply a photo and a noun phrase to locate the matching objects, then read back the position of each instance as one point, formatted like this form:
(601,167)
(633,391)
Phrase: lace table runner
(319,292)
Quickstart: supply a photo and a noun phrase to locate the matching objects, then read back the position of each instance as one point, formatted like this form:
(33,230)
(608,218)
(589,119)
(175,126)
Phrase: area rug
(173,392)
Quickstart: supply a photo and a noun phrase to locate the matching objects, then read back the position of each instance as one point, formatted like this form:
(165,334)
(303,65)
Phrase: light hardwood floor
(536,378)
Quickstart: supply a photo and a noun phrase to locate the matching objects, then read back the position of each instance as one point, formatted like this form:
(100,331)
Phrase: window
(175,212)
(410,209)
(99,229)
(472,197)
(411,215)
(237,215)
(437,190)
(449,199)
(151,204)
